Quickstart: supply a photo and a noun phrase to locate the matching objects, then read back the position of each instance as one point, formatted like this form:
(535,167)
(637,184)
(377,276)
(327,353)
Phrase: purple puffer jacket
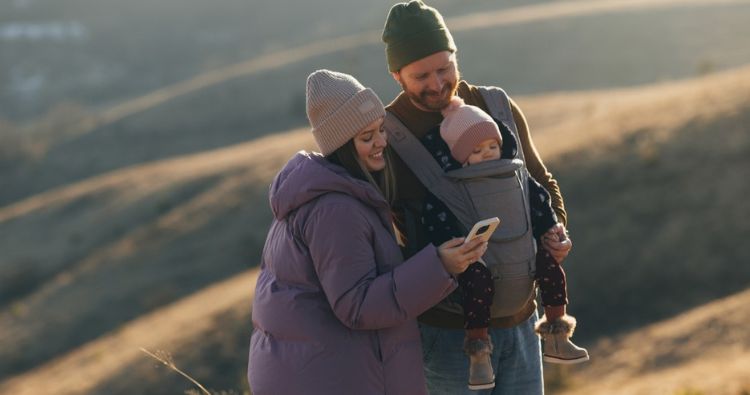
(335,303)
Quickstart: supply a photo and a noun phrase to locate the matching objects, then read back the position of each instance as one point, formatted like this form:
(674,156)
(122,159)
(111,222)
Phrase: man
(421,57)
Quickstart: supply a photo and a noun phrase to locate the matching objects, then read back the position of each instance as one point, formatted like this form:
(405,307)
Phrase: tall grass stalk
(166,359)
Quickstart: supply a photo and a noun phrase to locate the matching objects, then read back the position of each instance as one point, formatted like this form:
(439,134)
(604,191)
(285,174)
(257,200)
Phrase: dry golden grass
(263,156)
(679,351)
(481,20)
(566,121)
(706,350)
(168,328)
(65,274)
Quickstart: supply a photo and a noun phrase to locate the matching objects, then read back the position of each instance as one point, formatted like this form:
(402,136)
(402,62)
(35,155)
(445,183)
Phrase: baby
(473,137)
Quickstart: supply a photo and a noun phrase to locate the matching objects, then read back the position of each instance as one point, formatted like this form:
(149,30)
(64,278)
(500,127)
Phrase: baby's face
(486,150)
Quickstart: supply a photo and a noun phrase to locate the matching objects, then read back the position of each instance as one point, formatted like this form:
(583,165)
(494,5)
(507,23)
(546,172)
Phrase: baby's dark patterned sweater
(440,223)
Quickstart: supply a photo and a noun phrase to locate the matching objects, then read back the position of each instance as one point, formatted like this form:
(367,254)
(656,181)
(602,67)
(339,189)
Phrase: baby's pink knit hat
(464,127)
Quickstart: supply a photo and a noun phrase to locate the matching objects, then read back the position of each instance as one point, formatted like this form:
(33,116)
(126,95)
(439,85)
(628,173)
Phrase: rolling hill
(703,351)
(226,99)
(164,232)
(132,214)
(91,256)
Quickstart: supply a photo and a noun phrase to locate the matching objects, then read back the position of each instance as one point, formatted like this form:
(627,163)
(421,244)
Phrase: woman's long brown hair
(384,181)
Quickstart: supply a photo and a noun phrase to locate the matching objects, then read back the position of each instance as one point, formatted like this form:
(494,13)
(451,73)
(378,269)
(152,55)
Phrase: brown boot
(557,345)
(481,375)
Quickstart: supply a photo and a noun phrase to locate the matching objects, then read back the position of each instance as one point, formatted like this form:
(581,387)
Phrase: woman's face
(369,144)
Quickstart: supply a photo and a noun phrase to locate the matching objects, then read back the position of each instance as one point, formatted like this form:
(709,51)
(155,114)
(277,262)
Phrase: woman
(335,303)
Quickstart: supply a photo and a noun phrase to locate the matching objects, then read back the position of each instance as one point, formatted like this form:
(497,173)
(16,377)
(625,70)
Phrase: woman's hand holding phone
(457,255)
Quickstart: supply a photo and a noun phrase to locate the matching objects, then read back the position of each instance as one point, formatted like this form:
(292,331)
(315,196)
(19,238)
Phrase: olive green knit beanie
(413,31)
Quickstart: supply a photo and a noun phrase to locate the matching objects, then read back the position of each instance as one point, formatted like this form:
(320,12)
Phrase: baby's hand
(557,242)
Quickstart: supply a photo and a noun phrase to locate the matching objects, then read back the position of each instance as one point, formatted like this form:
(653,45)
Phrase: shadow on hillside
(658,225)
(641,213)
(168,266)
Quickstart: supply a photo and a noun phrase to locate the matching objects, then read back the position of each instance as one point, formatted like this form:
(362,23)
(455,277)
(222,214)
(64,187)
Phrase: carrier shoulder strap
(424,166)
(498,104)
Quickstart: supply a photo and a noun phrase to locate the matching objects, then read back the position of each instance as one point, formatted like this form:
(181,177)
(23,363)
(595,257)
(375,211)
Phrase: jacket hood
(309,175)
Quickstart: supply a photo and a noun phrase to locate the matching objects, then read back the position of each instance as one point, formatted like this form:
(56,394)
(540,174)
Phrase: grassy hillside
(703,351)
(119,50)
(121,229)
(655,200)
(566,46)
(213,319)
(80,261)
(650,245)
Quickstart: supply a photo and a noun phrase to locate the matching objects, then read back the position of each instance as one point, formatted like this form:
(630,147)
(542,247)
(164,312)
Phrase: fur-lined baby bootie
(557,345)
(481,375)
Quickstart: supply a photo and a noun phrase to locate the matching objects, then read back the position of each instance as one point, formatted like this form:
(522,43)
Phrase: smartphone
(483,229)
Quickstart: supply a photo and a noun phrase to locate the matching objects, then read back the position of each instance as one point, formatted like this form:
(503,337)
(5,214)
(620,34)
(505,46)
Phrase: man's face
(430,82)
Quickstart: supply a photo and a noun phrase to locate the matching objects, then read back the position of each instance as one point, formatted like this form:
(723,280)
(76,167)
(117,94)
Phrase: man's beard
(432,100)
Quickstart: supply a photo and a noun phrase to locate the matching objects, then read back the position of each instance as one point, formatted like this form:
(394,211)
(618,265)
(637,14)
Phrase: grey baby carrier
(496,188)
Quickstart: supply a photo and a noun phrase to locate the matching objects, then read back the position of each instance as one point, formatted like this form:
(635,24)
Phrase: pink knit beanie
(339,107)
(464,127)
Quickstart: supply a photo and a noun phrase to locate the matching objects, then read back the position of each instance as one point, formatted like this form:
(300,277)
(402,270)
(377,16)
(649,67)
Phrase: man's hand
(556,241)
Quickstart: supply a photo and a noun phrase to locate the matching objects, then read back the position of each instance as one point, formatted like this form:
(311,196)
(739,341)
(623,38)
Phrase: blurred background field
(137,140)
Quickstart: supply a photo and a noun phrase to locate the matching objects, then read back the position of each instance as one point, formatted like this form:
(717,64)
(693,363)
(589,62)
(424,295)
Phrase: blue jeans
(516,359)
